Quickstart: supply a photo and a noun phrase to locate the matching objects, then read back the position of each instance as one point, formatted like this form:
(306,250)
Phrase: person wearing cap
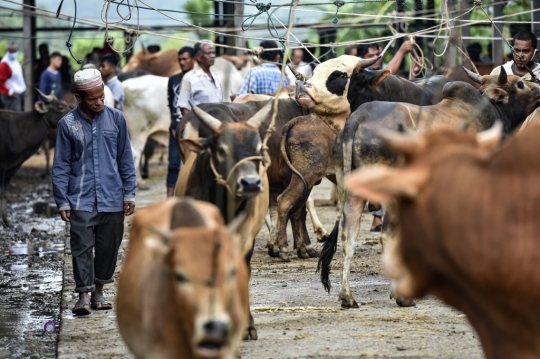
(50,81)
(107,68)
(109,97)
(94,185)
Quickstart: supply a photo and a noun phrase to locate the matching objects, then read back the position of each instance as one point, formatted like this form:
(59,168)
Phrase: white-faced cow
(469,230)
(183,290)
(502,97)
(21,135)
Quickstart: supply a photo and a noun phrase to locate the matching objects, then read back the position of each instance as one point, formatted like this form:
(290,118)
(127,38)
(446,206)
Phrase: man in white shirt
(15,84)
(300,66)
(524,52)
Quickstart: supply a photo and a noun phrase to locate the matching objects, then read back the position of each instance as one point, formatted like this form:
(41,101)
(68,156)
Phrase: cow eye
(521,85)
(180,278)
(343,76)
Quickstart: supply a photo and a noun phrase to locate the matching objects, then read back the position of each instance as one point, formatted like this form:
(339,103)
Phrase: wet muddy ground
(295,317)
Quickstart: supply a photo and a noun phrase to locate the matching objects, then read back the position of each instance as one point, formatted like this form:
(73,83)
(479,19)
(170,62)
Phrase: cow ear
(41,107)
(497,94)
(380,183)
(193,144)
(384,74)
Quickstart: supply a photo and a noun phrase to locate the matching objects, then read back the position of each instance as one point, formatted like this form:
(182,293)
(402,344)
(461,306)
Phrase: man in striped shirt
(264,79)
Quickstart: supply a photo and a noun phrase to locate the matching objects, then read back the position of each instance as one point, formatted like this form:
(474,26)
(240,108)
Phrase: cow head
(234,150)
(515,98)
(326,92)
(51,108)
(209,278)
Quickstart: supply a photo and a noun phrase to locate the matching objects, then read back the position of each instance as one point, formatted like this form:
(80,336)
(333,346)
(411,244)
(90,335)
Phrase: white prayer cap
(87,79)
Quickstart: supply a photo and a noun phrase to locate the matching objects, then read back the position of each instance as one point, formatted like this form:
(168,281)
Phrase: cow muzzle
(248,187)
(302,96)
(214,338)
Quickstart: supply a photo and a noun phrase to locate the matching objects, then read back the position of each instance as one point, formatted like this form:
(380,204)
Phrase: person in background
(264,78)
(525,50)
(368,51)
(107,68)
(51,81)
(201,84)
(186,60)
(300,66)
(5,74)
(15,83)
(94,186)
(42,63)
(351,50)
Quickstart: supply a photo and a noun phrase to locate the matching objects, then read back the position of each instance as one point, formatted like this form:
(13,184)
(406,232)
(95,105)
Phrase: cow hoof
(405,302)
(273,252)
(321,235)
(302,254)
(284,256)
(251,334)
(144,175)
(312,253)
(348,304)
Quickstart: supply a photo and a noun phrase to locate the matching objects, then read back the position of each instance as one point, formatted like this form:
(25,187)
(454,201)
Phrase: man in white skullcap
(94,186)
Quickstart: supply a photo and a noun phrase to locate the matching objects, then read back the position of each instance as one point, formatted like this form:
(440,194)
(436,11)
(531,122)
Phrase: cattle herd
(444,158)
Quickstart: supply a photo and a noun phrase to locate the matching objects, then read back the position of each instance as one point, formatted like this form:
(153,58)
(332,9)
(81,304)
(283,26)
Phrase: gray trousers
(12,103)
(101,232)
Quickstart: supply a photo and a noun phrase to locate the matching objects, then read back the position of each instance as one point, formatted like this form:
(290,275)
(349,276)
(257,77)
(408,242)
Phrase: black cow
(21,135)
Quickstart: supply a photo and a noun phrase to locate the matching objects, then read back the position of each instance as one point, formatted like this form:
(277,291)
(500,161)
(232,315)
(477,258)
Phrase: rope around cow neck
(225,182)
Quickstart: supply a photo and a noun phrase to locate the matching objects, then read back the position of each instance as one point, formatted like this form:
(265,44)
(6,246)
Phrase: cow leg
(273,233)
(46,148)
(251,332)
(4,183)
(302,243)
(390,222)
(350,224)
(317,225)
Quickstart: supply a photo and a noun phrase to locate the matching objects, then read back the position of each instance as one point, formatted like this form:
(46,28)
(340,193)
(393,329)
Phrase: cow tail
(284,153)
(344,159)
(327,254)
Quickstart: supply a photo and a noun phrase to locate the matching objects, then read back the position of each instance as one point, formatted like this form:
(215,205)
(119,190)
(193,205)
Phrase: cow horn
(297,75)
(260,117)
(405,144)
(503,78)
(364,63)
(46,98)
(474,76)
(143,48)
(491,137)
(210,121)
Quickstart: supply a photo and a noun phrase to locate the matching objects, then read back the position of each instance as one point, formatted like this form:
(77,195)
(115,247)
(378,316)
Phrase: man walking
(107,68)
(94,186)
(187,61)
(50,80)
(15,83)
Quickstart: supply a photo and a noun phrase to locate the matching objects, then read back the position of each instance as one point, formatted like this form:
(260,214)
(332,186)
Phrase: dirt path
(295,317)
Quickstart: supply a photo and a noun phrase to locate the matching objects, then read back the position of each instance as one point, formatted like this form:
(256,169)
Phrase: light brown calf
(183,291)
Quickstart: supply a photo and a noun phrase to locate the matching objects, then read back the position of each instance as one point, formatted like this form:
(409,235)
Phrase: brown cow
(227,170)
(504,97)
(183,291)
(469,230)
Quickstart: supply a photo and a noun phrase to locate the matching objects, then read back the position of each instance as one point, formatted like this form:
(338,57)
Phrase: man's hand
(66,216)
(129,208)
(406,47)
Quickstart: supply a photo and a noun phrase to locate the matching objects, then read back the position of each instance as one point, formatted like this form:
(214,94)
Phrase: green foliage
(199,6)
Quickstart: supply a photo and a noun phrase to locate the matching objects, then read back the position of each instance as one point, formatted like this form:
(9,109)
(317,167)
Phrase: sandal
(377,229)
(82,307)
(100,303)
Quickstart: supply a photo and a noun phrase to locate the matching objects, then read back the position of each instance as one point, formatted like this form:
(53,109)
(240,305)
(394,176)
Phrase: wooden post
(451,51)
(238,19)
(465,30)
(29,48)
(497,45)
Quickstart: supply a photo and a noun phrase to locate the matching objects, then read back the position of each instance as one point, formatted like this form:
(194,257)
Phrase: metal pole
(29,48)
(497,45)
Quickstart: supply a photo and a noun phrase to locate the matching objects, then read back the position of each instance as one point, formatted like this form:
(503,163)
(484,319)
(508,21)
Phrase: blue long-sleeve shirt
(50,82)
(93,162)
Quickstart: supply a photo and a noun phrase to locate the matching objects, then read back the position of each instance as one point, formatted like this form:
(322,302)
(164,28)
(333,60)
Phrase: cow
(227,169)
(165,63)
(22,134)
(310,156)
(504,97)
(468,230)
(183,290)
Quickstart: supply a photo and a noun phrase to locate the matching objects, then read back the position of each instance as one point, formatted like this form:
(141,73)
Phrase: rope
(338,3)
(262,8)
(225,181)
(110,39)
(68,42)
